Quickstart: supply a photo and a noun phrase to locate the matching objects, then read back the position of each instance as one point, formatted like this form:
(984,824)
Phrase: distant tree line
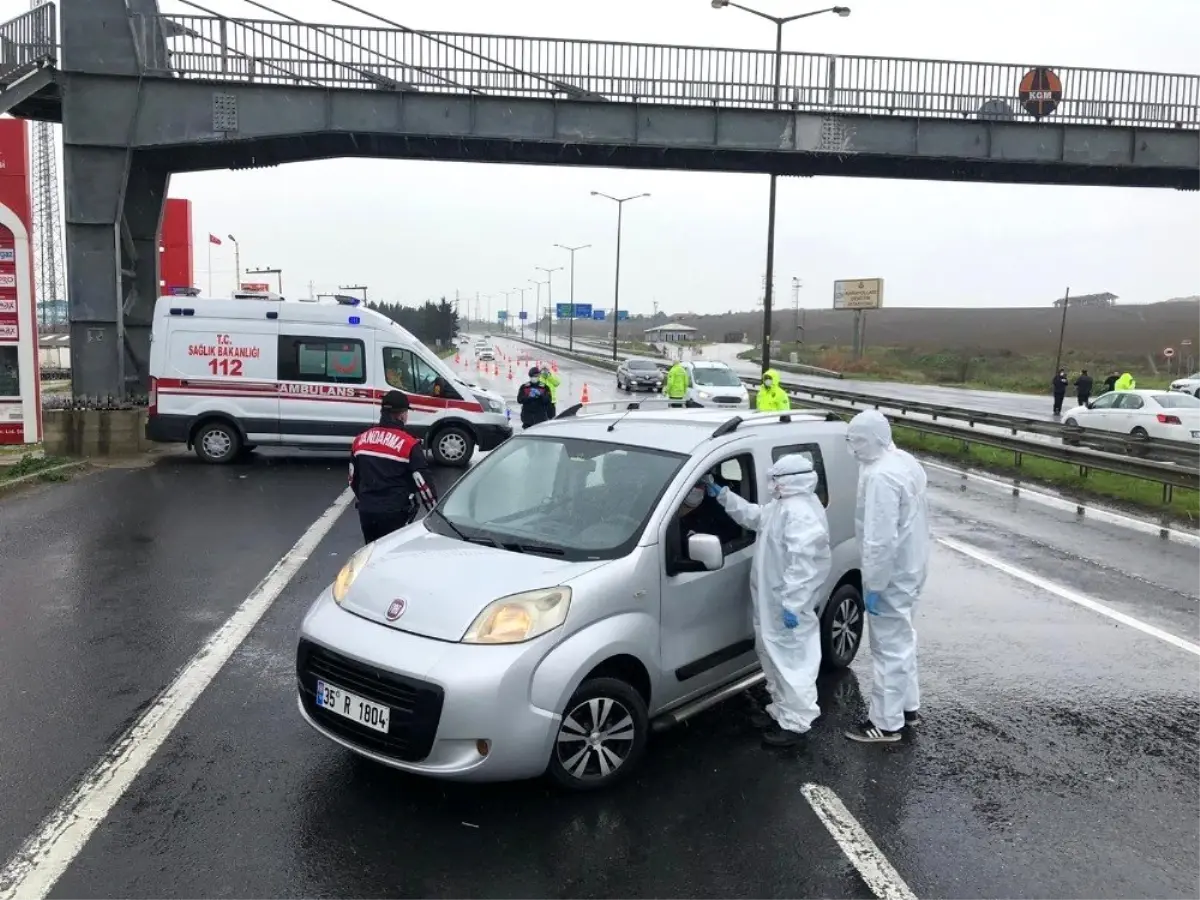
(431,322)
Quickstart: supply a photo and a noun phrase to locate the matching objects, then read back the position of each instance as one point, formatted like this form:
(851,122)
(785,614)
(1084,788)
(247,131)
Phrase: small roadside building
(671,333)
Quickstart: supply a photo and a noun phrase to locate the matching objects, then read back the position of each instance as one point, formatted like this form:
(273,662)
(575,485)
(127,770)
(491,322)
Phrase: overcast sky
(411,230)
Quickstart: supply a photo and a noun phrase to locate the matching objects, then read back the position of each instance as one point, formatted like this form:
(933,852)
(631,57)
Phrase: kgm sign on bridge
(1040,92)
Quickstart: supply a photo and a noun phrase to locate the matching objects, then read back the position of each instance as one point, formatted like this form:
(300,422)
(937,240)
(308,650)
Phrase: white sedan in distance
(1188,385)
(1165,415)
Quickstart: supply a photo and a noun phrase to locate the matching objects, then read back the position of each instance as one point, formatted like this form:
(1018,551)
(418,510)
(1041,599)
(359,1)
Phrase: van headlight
(520,617)
(704,395)
(345,578)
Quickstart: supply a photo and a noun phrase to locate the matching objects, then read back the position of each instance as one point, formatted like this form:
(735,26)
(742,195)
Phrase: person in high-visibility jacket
(771,397)
(551,381)
(1125,383)
(676,385)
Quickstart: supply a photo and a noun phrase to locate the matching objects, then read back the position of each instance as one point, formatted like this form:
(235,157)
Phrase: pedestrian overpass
(142,95)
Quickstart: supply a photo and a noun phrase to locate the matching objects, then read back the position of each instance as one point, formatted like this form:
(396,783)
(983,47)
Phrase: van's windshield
(565,497)
(715,376)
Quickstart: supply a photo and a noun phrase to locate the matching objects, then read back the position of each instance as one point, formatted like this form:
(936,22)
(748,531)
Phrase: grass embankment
(1122,489)
(994,370)
(31,464)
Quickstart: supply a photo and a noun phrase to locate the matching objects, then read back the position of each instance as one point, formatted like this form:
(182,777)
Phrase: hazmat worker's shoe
(912,718)
(867,733)
(761,720)
(781,737)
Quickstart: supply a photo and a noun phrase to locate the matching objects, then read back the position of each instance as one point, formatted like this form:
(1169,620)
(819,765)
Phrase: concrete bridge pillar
(113,203)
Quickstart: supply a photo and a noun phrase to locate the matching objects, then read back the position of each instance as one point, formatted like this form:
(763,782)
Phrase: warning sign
(1040,92)
(858,293)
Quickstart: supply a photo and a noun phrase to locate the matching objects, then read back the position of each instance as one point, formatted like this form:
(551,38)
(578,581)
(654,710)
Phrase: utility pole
(1062,330)
(312,288)
(797,312)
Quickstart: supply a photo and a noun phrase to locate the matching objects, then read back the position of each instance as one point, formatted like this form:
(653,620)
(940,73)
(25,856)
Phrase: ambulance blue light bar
(346,300)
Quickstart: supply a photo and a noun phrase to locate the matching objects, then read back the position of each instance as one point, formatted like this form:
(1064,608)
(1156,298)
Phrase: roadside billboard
(858,293)
(20,390)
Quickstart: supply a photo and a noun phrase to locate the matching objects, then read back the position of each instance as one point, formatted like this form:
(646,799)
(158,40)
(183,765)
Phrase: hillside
(1114,332)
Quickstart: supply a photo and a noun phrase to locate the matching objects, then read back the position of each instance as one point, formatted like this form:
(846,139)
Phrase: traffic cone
(457,361)
(554,368)
(510,373)
(583,398)
(496,369)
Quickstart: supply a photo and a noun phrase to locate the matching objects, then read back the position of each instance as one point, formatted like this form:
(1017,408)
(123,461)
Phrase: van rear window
(321,360)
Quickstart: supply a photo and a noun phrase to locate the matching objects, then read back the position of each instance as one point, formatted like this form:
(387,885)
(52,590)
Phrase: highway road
(1028,405)
(1058,759)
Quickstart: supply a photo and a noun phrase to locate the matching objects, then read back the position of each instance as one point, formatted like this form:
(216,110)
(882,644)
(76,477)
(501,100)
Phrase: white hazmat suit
(891,523)
(788,573)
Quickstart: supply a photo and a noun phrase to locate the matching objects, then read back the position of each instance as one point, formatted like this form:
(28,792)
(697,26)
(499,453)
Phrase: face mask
(767,383)
(694,498)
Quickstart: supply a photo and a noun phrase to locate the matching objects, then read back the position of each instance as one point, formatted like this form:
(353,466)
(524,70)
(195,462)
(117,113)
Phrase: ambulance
(229,375)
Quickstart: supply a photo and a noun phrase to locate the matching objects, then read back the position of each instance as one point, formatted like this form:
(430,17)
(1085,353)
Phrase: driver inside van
(701,514)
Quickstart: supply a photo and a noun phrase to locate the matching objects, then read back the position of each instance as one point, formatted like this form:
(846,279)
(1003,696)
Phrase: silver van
(560,603)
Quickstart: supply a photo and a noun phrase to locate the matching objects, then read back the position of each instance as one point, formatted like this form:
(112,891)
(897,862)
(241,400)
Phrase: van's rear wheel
(602,736)
(453,446)
(842,627)
(217,443)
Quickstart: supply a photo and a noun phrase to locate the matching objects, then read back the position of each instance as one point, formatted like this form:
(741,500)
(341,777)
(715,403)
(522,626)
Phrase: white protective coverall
(790,567)
(891,523)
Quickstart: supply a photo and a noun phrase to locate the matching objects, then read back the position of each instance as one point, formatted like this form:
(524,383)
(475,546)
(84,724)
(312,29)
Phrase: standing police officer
(386,466)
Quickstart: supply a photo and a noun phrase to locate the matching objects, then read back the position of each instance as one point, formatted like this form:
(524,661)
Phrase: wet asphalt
(1058,757)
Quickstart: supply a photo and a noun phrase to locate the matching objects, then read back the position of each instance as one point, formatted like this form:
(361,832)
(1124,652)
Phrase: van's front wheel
(217,442)
(452,446)
(601,737)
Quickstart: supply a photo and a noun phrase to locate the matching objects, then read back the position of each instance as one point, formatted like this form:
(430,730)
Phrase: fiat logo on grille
(396,610)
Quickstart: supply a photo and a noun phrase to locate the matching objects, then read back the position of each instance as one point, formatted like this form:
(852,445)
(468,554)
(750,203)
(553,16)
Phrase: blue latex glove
(789,620)
(872,602)
(713,489)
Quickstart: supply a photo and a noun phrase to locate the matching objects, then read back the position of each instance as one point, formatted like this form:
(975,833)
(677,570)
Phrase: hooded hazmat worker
(787,579)
(891,522)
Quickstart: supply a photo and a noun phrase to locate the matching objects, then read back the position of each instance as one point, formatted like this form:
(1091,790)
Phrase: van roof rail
(611,406)
(785,417)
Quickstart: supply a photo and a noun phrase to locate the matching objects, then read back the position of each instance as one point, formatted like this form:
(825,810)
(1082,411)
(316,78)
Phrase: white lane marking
(41,861)
(1099,513)
(883,880)
(1067,594)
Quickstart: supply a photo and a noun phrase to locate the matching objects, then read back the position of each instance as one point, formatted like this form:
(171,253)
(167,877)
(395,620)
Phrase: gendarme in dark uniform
(386,466)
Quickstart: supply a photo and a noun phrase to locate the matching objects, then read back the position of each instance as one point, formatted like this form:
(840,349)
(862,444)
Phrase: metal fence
(28,42)
(274,52)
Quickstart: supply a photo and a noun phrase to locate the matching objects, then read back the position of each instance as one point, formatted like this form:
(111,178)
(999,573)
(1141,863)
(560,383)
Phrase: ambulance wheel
(217,442)
(452,446)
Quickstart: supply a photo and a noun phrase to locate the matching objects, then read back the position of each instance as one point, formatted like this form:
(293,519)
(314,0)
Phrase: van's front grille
(416,706)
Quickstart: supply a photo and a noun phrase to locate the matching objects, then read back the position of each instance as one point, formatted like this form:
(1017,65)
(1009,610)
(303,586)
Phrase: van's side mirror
(706,550)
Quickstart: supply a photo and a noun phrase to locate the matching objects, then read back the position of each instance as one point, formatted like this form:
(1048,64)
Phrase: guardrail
(1175,451)
(398,58)
(28,42)
(1183,474)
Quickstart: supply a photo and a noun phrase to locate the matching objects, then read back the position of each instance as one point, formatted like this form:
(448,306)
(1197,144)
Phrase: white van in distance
(230,375)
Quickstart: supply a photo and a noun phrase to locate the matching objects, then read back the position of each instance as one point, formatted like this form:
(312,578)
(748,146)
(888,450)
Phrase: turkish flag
(213,239)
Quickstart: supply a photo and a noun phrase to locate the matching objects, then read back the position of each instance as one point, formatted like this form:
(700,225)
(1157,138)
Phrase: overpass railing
(275,52)
(28,42)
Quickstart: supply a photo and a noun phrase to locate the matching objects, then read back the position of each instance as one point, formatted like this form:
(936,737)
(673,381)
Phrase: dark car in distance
(637,374)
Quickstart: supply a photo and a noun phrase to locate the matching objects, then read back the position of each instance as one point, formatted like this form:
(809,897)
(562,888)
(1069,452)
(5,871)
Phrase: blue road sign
(502,314)
(562,310)
(583,310)
(598,315)
(622,315)
(524,315)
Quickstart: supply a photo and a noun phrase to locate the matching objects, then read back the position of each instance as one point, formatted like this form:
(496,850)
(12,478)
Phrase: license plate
(353,707)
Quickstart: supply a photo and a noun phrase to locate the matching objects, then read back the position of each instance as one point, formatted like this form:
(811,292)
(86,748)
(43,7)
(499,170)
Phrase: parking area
(1058,757)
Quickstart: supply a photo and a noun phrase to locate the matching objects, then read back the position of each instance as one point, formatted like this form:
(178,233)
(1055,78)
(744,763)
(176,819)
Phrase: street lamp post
(779,21)
(537,309)
(570,321)
(522,290)
(550,292)
(237,262)
(617,278)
